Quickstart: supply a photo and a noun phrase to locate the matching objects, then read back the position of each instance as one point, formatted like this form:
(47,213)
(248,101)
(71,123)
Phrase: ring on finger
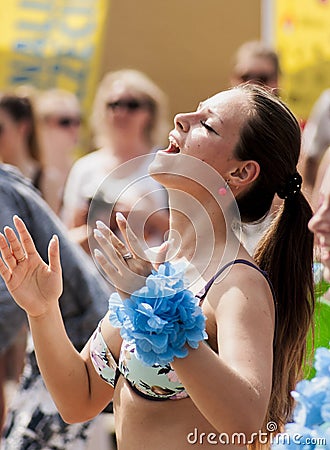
(21,259)
(127,256)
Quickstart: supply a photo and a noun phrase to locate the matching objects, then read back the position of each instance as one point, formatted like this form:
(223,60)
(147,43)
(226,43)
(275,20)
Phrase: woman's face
(320,224)
(209,134)
(11,136)
(258,69)
(61,127)
(126,110)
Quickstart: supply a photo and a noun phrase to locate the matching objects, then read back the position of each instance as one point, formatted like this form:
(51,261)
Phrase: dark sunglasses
(130,105)
(258,77)
(67,122)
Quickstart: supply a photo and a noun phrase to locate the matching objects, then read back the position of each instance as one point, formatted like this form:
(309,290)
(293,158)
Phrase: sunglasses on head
(67,122)
(130,105)
(258,77)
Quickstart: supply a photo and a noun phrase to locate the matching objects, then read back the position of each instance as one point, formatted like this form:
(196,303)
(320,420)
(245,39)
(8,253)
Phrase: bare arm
(232,389)
(78,391)
(36,287)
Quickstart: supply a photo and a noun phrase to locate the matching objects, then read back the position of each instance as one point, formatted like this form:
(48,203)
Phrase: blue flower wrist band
(161,318)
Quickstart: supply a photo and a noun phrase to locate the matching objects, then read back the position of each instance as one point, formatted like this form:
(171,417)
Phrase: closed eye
(208,127)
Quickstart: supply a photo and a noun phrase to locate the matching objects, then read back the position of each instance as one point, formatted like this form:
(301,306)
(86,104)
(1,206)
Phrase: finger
(54,255)
(4,270)
(25,237)
(114,256)
(113,247)
(162,252)
(108,268)
(130,238)
(108,233)
(16,248)
(6,253)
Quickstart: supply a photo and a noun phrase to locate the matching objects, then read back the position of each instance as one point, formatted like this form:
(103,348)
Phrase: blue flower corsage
(161,318)
(310,428)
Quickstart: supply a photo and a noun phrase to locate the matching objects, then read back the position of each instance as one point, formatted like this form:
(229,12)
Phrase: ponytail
(286,253)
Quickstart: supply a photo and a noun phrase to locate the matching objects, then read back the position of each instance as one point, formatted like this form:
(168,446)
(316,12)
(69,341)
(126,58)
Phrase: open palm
(34,285)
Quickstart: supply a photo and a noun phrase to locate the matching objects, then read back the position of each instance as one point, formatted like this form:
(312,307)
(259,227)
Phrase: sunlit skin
(208,134)
(320,224)
(229,379)
(123,130)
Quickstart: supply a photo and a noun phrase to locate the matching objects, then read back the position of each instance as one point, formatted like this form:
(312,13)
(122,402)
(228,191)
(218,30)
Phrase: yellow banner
(303,42)
(52,43)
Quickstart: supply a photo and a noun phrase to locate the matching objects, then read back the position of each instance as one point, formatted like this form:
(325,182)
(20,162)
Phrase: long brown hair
(272,137)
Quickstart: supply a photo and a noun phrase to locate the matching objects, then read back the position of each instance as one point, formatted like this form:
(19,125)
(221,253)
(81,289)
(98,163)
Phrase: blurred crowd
(58,187)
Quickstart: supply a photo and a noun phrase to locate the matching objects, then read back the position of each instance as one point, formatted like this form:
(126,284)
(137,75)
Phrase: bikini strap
(208,285)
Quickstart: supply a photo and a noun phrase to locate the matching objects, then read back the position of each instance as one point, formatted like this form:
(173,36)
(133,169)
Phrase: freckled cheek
(196,147)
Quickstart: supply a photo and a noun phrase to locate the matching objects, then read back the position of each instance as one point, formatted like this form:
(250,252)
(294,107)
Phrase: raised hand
(126,264)
(34,285)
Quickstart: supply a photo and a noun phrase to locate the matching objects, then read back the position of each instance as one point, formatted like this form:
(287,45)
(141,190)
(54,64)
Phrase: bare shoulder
(244,292)
(241,320)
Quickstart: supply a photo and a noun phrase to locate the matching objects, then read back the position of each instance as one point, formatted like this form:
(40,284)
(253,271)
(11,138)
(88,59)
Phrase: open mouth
(173,147)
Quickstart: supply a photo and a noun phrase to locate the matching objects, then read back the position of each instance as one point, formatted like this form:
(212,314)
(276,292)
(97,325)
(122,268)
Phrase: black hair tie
(292,187)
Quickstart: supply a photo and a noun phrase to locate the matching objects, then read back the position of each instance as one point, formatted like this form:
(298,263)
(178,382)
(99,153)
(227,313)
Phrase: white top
(129,185)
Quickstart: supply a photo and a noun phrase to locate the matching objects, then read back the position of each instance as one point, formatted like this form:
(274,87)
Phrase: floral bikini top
(158,382)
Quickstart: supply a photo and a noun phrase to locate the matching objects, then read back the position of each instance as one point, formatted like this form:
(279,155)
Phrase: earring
(223,190)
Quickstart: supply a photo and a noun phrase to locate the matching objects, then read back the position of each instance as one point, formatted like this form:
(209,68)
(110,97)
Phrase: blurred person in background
(32,419)
(19,140)
(315,140)
(320,174)
(20,147)
(256,62)
(59,118)
(128,121)
(320,226)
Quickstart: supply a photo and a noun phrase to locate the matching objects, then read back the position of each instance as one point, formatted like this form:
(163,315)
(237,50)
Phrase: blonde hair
(255,49)
(50,102)
(142,86)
